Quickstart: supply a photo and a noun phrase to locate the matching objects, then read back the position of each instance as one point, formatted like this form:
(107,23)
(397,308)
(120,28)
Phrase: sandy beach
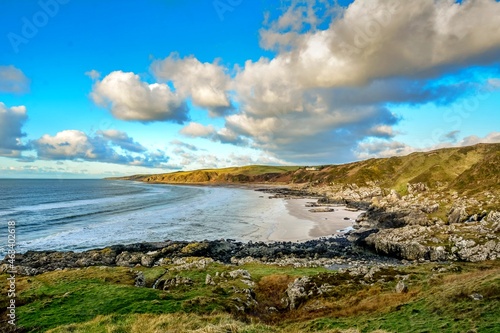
(300,224)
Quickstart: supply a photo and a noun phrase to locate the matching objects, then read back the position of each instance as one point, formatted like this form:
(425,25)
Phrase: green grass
(105,300)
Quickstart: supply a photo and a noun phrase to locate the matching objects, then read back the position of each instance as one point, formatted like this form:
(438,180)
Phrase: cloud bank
(78,146)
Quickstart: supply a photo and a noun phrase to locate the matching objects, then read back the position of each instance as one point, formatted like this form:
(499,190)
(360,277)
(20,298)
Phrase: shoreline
(300,225)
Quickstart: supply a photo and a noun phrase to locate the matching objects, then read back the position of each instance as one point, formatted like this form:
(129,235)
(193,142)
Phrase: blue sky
(100,88)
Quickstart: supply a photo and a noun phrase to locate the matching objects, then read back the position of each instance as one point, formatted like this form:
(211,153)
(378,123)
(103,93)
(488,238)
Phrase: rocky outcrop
(176,281)
(298,291)
(306,288)
(466,242)
(177,253)
(409,227)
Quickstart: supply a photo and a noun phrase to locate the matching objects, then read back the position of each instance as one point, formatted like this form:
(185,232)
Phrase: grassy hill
(468,170)
(251,173)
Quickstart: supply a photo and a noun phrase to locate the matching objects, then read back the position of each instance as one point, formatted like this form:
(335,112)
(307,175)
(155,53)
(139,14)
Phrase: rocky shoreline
(335,251)
(393,228)
(424,224)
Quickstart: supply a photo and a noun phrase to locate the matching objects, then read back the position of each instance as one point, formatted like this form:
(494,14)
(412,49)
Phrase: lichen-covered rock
(174,282)
(457,215)
(416,188)
(140,280)
(297,292)
(240,273)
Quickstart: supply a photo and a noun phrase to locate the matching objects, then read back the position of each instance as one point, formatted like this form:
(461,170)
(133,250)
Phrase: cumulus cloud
(76,145)
(376,39)
(11,122)
(129,98)
(13,80)
(206,83)
(328,87)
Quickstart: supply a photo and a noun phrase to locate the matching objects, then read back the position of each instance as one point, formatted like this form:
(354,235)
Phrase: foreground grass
(104,299)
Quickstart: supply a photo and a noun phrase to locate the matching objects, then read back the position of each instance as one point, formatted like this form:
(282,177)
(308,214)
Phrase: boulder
(457,214)
(401,287)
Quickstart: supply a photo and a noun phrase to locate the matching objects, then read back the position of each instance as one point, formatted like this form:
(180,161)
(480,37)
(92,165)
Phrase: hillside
(251,173)
(468,170)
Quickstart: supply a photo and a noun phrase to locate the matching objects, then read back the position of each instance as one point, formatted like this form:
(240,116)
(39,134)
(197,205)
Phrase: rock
(209,280)
(394,196)
(430,209)
(457,215)
(176,281)
(416,188)
(321,210)
(438,254)
(297,292)
(127,259)
(240,273)
(476,296)
(140,280)
(147,261)
(401,287)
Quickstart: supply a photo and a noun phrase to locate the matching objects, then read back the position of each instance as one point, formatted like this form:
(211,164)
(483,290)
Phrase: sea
(77,215)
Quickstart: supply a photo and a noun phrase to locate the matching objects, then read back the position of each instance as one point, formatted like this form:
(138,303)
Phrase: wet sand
(300,224)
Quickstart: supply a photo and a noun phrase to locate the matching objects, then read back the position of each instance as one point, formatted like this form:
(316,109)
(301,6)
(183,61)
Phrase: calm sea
(83,214)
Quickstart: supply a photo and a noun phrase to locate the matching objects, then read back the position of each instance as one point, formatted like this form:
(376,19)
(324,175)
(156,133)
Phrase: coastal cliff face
(437,205)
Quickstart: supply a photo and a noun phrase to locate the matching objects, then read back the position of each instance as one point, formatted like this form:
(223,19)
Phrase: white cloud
(68,144)
(122,140)
(329,87)
(13,80)
(206,83)
(76,145)
(223,135)
(384,148)
(195,130)
(129,98)
(376,39)
(493,137)
(335,74)
(11,122)
(93,74)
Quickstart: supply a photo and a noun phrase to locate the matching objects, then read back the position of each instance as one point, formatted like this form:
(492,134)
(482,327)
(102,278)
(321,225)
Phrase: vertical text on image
(11,279)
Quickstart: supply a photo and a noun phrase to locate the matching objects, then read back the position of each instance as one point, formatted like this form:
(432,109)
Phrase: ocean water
(83,214)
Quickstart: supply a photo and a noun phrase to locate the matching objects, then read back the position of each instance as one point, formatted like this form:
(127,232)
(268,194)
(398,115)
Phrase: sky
(92,88)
